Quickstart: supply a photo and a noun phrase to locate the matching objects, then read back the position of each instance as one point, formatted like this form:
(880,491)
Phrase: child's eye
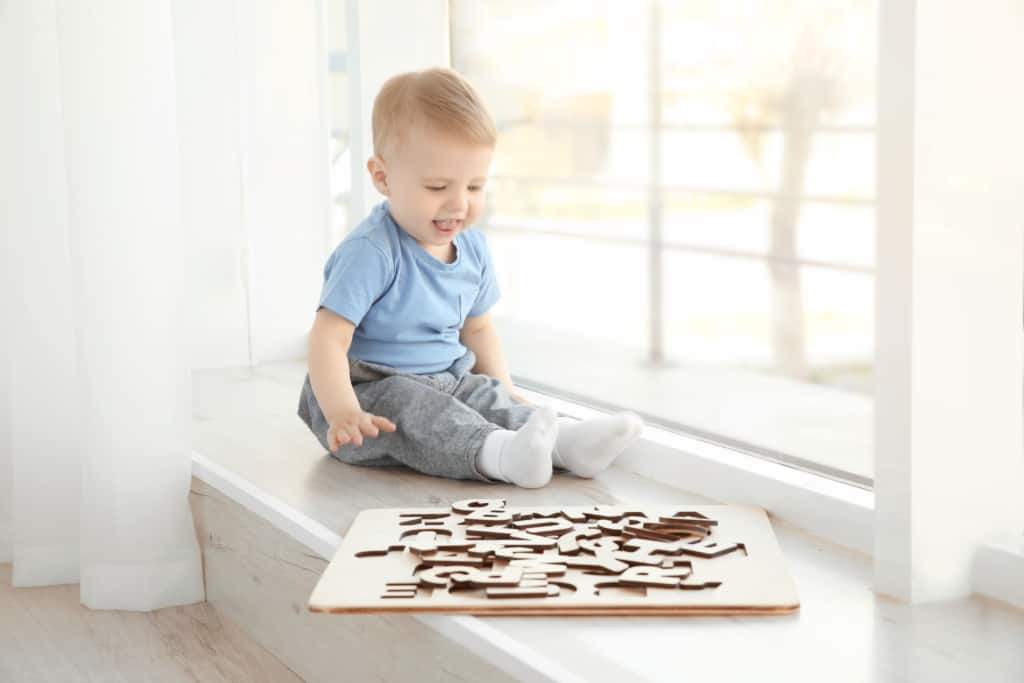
(434,189)
(475,188)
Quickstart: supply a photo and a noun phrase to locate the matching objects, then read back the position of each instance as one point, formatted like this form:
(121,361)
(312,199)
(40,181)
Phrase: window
(682,212)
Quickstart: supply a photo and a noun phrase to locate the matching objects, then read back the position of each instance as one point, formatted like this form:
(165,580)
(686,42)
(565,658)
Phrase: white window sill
(831,586)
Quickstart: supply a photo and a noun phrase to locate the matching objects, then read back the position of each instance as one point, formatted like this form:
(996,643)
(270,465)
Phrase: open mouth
(449,225)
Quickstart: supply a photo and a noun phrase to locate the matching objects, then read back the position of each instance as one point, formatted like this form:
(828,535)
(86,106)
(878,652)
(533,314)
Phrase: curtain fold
(97,401)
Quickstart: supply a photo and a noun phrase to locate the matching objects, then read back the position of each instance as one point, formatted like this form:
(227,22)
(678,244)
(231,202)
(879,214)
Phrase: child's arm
(329,342)
(481,337)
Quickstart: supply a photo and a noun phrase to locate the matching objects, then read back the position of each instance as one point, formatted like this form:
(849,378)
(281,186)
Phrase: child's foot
(588,447)
(522,457)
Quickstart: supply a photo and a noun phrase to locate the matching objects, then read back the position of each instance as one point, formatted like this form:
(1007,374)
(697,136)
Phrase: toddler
(405,364)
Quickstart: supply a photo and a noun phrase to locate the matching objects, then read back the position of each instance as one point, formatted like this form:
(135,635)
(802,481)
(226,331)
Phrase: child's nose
(458,202)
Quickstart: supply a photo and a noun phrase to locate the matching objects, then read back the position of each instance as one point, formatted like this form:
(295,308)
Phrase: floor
(245,420)
(47,635)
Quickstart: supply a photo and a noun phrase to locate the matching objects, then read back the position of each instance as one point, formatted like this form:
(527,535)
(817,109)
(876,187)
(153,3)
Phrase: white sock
(590,446)
(522,457)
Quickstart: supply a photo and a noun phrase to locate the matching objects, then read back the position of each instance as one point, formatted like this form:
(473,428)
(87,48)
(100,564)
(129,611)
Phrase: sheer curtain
(95,468)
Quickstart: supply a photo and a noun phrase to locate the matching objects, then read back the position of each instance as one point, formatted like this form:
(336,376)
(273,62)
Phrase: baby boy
(405,364)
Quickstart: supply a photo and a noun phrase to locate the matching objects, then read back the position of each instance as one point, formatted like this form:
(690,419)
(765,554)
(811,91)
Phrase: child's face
(435,185)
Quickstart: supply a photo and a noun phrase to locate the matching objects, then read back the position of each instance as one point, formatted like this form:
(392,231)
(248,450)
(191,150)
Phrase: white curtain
(95,462)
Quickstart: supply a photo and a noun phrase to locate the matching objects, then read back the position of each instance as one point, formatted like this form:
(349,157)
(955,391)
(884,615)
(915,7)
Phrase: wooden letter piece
(545,527)
(653,576)
(426,539)
(544,591)
(604,561)
(380,553)
(689,518)
(400,589)
(568,544)
(532,566)
(510,576)
(709,550)
(428,529)
(488,516)
(437,577)
(442,559)
(611,513)
(485,548)
(600,545)
(503,536)
(410,518)
(469,505)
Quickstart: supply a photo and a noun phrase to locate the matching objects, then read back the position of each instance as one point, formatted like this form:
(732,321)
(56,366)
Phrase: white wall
(949,442)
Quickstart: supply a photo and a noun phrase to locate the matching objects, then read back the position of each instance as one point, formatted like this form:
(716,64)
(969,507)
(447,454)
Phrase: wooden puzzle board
(479,557)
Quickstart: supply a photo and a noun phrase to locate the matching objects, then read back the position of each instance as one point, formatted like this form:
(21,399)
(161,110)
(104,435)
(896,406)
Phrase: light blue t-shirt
(407,306)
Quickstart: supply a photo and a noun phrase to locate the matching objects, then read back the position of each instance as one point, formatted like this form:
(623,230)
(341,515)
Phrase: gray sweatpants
(442,418)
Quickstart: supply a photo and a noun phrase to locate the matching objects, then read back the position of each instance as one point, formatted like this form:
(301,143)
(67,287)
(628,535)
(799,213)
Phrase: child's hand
(518,398)
(352,426)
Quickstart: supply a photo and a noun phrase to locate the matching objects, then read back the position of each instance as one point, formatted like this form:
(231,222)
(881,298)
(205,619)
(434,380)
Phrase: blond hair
(439,97)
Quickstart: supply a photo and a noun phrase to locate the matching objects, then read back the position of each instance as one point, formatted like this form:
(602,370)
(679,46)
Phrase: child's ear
(378,174)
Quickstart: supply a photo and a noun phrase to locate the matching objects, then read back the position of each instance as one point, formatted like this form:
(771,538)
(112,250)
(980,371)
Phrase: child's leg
(522,457)
(436,434)
(521,451)
(585,448)
(488,396)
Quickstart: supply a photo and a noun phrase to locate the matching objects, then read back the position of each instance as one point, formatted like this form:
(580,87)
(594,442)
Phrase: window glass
(682,211)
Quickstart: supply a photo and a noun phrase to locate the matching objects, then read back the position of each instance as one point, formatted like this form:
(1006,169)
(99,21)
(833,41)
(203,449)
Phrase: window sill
(273,468)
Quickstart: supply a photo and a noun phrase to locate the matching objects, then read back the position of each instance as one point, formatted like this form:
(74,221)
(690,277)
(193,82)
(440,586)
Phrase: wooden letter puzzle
(481,557)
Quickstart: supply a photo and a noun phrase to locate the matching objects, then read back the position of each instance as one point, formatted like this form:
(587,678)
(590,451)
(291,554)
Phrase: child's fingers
(384,423)
(336,439)
(366,426)
(354,432)
(346,434)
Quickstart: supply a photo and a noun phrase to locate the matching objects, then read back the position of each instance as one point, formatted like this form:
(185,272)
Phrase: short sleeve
(356,275)
(489,292)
